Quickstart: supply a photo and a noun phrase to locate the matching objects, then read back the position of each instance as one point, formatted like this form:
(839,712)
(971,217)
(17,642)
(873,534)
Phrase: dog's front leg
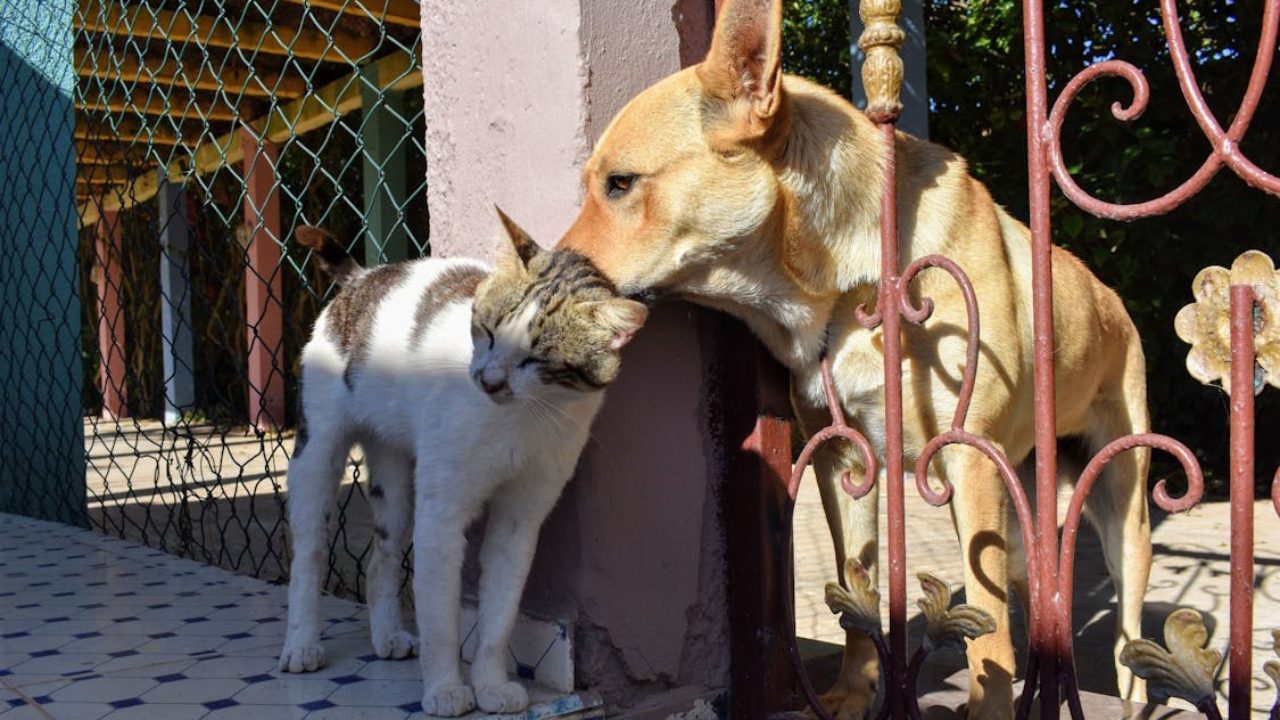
(854,527)
(979,507)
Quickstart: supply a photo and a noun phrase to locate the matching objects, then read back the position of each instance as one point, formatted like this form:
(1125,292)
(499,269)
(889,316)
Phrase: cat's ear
(523,245)
(621,317)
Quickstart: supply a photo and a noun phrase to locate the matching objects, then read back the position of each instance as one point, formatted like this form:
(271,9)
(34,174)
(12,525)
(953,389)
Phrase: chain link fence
(203,133)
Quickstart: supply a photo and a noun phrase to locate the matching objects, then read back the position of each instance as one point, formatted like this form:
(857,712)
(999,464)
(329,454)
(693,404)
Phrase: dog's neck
(832,175)
(823,241)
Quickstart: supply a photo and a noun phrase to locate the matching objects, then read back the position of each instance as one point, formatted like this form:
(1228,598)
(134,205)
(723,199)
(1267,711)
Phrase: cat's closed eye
(529,361)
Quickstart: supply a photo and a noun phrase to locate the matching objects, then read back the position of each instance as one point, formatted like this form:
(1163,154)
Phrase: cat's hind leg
(390,494)
(315,471)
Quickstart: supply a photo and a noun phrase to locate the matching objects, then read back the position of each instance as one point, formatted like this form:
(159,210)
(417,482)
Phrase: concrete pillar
(515,95)
(175,300)
(263,311)
(382,131)
(111,321)
(41,370)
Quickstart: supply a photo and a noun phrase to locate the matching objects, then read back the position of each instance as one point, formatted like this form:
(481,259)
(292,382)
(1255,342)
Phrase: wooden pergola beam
(141,104)
(398,71)
(169,71)
(105,175)
(91,153)
(405,13)
(141,20)
(131,133)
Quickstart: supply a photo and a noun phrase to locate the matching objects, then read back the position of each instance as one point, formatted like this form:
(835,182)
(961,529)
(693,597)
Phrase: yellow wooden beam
(405,13)
(130,132)
(105,174)
(89,152)
(170,71)
(146,104)
(398,71)
(142,20)
(140,189)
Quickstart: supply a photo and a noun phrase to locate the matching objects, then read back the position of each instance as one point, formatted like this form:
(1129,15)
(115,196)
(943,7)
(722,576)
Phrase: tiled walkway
(93,627)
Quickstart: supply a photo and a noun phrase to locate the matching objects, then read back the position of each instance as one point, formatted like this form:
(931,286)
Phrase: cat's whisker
(591,436)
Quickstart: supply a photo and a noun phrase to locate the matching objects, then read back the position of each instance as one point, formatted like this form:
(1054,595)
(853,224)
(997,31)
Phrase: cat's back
(393,317)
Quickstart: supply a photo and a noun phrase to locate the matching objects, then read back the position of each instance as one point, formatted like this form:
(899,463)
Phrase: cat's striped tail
(333,257)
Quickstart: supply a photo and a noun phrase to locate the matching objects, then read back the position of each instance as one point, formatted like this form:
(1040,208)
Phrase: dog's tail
(333,257)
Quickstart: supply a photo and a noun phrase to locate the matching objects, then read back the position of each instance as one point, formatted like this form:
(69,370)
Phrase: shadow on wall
(41,465)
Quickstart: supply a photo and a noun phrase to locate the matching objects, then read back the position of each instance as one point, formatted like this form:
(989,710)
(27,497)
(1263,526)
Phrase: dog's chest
(858,373)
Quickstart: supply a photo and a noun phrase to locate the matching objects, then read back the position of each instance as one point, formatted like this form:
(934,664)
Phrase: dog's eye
(615,186)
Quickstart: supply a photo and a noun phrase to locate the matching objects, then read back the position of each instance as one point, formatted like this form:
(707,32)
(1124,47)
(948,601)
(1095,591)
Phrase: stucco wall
(504,97)
(634,552)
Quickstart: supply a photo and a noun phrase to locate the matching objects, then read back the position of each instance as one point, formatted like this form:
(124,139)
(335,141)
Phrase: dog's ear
(522,246)
(744,65)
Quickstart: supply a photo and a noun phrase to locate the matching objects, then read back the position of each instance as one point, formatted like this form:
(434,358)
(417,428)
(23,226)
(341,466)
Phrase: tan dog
(759,193)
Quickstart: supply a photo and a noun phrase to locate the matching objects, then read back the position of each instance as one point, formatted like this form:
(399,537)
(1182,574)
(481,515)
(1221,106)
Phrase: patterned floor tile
(94,627)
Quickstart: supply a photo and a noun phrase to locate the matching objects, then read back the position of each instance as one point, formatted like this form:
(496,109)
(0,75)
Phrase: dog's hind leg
(1117,508)
(390,494)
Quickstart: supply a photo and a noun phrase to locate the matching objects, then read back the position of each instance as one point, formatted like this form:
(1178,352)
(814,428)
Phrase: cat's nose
(492,388)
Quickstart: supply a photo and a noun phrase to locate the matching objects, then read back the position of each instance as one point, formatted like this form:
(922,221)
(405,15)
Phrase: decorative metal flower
(1185,670)
(859,606)
(947,627)
(1206,323)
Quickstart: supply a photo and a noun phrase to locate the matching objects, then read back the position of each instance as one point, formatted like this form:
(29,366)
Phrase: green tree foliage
(977,106)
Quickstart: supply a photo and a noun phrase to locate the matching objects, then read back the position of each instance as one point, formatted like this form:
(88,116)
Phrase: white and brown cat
(467,388)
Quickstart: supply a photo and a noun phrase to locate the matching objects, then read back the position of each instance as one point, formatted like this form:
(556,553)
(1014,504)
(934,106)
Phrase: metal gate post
(757,412)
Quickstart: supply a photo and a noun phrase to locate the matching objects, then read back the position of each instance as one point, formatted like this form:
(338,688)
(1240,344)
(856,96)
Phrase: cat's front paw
(449,700)
(301,657)
(396,646)
(506,697)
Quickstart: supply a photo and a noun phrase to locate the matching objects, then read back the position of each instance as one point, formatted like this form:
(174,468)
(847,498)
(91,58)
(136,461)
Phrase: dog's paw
(449,700)
(505,697)
(396,646)
(847,706)
(301,657)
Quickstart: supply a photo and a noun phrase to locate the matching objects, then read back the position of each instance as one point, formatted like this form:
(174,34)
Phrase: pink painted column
(263,312)
(634,554)
(111,369)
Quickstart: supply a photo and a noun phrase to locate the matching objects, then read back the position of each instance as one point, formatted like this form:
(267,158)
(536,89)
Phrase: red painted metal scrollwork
(1051,561)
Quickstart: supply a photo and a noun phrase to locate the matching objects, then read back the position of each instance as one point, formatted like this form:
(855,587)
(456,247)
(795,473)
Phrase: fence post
(108,274)
(263,313)
(175,307)
(385,170)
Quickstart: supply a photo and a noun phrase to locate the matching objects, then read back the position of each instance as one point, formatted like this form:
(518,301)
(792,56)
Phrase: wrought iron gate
(1233,328)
